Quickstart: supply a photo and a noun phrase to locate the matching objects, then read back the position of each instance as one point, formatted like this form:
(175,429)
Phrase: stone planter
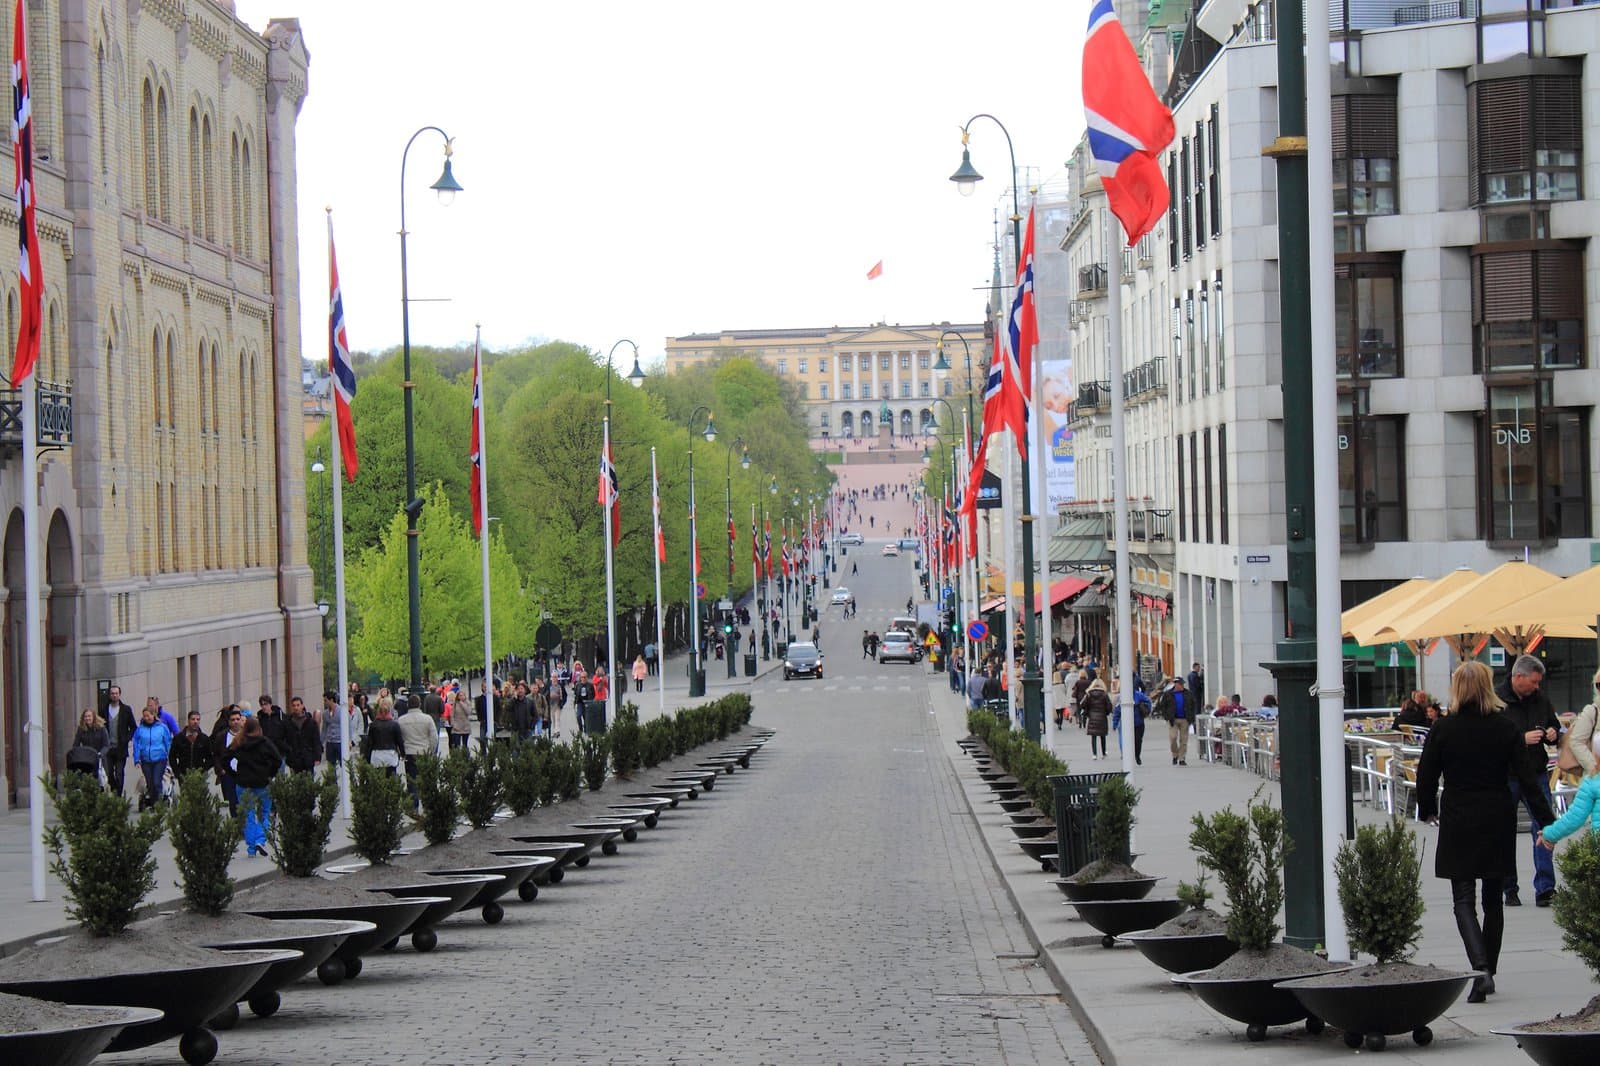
(1255,1001)
(645,816)
(446,895)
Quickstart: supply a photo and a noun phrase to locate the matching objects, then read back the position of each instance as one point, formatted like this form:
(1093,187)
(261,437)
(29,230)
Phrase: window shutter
(1373,127)
(1505,287)
(1341,144)
(1503,137)
(1559,283)
(1557,103)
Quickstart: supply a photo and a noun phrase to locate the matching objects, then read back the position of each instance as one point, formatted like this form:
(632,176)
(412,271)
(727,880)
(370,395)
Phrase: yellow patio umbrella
(1378,605)
(1452,615)
(1565,609)
(1382,626)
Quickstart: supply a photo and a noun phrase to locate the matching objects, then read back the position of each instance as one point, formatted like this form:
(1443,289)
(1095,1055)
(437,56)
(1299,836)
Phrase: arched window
(247,207)
(205,388)
(924,418)
(847,424)
(172,380)
(100,104)
(237,194)
(865,424)
(13,314)
(111,418)
(164,154)
(196,194)
(158,385)
(905,422)
(216,388)
(244,398)
(208,179)
(57,369)
(152,157)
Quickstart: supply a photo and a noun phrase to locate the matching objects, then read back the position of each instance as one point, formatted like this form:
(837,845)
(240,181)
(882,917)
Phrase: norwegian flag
(28,266)
(340,369)
(610,494)
(1021,336)
(755,543)
(696,530)
(475,452)
(766,550)
(783,553)
(1128,124)
(733,533)
(951,547)
(655,510)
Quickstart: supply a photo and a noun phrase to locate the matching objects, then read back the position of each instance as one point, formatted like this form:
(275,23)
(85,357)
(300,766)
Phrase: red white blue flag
(1021,338)
(475,452)
(655,510)
(610,493)
(1129,126)
(340,369)
(28,265)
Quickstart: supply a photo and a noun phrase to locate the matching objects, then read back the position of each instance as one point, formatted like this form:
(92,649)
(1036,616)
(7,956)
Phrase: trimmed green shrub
(438,797)
(204,839)
(1114,821)
(625,737)
(1251,868)
(377,811)
(656,741)
(1577,902)
(567,771)
(101,856)
(481,784)
(593,752)
(524,777)
(1194,894)
(551,772)
(1380,890)
(302,820)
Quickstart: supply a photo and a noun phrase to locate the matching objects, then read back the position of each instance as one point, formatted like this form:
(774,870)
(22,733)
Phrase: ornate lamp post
(446,187)
(965,178)
(697,677)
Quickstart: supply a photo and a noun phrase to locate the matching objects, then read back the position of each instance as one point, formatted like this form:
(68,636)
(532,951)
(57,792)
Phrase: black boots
(1481,941)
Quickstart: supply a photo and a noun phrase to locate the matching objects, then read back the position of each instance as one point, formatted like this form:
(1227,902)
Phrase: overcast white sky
(646,170)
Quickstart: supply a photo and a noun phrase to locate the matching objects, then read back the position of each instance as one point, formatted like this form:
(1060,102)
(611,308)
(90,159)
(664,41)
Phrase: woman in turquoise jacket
(1585,807)
(152,742)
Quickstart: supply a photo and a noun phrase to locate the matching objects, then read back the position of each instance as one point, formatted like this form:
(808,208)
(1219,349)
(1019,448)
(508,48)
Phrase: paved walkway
(1137,1016)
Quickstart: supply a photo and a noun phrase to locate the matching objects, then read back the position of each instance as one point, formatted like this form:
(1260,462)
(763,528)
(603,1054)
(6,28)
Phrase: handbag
(1565,759)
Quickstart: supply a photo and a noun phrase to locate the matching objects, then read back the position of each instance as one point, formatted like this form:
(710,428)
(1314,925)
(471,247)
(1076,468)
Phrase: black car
(802,660)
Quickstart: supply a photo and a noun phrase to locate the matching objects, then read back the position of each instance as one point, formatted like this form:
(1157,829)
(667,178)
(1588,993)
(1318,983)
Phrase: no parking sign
(977,631)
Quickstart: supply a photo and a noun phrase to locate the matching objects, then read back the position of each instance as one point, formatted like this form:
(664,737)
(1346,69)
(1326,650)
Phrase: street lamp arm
(403,156)
(1016,210)
(635,376)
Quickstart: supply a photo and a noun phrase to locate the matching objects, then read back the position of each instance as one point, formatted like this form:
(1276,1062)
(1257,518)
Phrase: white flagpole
(755,586)
(342,636)
(609,711)
(1120,488)
(34,692)
(1043,513)
(487,725)
(1007,526)
(964,473)
(655,552)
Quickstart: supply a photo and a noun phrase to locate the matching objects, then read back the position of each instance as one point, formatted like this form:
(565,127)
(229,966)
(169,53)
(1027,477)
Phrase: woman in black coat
(1477,751)
(1095,710)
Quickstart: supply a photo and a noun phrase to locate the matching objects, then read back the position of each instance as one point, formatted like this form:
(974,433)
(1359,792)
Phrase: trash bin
(697,682)
(594,718)
(750,664)
(783,648)
(999,709)
(1077,800)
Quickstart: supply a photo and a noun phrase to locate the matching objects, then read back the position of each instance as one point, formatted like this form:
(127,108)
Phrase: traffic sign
(977,631)
(699,591)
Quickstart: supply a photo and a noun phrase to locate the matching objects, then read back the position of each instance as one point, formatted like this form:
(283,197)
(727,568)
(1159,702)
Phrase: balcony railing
(1092,279)
(54,407)
(1094,396)
(1147,380)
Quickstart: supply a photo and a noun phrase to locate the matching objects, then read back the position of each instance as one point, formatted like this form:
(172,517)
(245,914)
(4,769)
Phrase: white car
(898,646)
(841,595)
(891,550)
(851,538)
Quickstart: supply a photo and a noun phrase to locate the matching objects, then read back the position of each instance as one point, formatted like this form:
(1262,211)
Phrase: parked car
(802,660)
(851,538)
(905,624)
(841,595)
(910,544)
(898,646)
(891,549)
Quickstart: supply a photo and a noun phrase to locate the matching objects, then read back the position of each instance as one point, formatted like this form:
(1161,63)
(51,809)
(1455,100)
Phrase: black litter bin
(697,683)
(1000,709)
(750,664)
(1077,800)
(594,717)
(783,648)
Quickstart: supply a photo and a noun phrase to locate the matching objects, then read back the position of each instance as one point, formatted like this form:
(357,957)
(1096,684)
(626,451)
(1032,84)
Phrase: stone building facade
(174,520)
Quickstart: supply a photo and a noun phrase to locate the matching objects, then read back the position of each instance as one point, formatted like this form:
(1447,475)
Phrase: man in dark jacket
(273,725)
(303,744)
(1195,688)
(191,748)
(1535,719)
(120,725)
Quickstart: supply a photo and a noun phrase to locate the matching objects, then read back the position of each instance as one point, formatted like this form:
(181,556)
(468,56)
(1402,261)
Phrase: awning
(1094,601)
(1066,588)
(992,606)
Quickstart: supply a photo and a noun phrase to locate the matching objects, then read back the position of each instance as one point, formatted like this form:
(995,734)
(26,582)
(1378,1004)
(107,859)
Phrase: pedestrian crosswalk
(902,686)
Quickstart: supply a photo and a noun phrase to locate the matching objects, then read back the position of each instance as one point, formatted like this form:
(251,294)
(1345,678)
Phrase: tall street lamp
(697,677)
(744,463)
(767,632)
(446,187)
(318,468)
(965,178)
(619,681)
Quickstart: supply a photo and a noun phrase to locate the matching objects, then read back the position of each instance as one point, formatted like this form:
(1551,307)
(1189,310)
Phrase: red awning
(1059,590)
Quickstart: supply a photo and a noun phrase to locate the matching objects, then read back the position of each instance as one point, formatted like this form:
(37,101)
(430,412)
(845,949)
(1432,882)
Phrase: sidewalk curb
(1080,1013)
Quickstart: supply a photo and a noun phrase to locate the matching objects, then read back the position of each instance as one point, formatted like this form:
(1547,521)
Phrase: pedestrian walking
(225,737)
(335,721)
(1096,711)
(1584,807)
(1175,705)
(191,748)
(641,670)
(1530,711)
(254,761)
(120,723)
(650,657)
(420,737)
(303,739)
(152,742)
(384,743)
(1141,707)
(460,715)
(1477,751)
(89,745)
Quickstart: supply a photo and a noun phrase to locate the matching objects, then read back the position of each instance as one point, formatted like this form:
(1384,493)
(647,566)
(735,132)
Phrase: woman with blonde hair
(1477,751)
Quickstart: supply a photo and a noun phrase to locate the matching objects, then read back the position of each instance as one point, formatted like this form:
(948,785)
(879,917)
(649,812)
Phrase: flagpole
(1007,521)
(755,584)
(487,725)
(655,550)
(1119,487)
(1041,526)
(609,710)
(336,444)
(33,624)
(967,548)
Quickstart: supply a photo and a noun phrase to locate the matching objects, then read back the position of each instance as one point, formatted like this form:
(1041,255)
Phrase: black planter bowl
(738,755)
(1022,817)
(726,766)
(1555,1049)
(1015,803)
(1029,830)
(389,918)
(75,1044)
(515,873)
(1042,850)
(187,997)
(608,842)
(1096,891)
(704,781)
(1253,1001)
(628,827)
(683,790)
(1182,954)
(1373,1011)
(562,853)
(642,816)
(1113,917)
(645,799)
(593,841)
(446,895)
(314,948)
